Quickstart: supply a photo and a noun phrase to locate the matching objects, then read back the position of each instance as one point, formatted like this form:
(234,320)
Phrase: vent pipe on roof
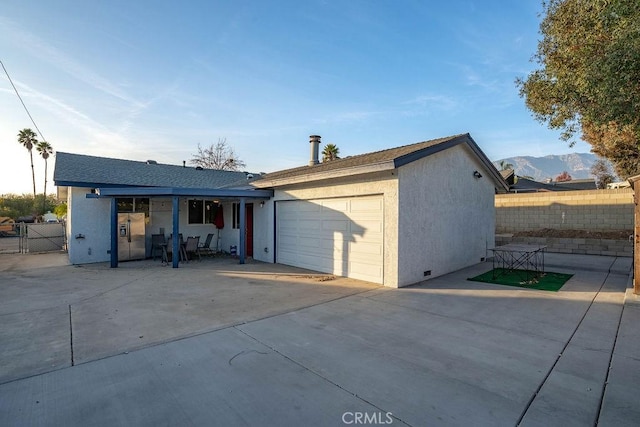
(314,140)
(184,163)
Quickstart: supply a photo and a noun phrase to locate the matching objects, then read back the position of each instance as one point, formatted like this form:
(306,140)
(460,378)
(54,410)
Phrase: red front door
(249,229)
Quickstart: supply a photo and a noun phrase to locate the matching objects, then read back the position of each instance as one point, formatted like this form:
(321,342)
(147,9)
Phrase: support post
(114,233)
(175,242)
(243,230)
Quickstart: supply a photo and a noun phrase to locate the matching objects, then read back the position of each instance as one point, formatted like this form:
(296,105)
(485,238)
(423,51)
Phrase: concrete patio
(218,343)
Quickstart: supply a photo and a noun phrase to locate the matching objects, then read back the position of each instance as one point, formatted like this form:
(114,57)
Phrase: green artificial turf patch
(524,279)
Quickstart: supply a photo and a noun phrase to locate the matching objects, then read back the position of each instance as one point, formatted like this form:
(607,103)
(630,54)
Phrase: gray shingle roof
(390,158)
(390,154)
(89,171)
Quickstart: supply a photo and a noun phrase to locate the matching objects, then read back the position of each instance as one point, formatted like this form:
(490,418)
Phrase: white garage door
(338,236)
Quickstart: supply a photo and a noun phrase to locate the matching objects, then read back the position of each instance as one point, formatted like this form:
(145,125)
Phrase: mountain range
(578,165)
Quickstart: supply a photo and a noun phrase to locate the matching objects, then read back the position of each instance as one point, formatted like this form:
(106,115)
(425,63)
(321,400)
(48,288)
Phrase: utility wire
(23,104)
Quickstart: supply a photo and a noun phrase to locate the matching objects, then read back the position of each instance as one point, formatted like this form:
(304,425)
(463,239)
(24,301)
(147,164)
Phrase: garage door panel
(287,241)
(366,205)
(365,249)
(305,208)
(336,226)
(369,226)
(308,225)
(313,262)
(340,236)
(363,271)
(335,205)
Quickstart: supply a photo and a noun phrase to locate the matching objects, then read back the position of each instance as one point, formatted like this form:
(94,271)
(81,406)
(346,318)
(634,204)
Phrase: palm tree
(330,152)
(28,139)
(45,149)
(504,165)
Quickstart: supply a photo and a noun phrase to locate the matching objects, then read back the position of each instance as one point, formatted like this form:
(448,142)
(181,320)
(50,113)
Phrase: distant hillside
(578,165)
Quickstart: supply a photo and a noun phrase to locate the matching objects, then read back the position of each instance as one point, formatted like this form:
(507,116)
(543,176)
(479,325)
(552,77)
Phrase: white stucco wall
(384,183)
(446,215)
(91,219)
(263,231)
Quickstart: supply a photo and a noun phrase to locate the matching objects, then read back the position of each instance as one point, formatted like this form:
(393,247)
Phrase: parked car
(7,226)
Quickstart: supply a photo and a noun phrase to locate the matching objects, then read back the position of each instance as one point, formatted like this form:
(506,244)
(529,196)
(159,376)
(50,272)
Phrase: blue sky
(151,79)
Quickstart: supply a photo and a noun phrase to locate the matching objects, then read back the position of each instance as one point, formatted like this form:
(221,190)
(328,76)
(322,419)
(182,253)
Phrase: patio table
(515,257)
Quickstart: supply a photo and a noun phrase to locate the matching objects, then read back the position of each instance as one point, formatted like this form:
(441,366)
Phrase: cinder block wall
(597,210)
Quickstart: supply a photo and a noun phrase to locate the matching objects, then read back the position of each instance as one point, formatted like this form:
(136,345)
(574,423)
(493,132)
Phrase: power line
(23,104)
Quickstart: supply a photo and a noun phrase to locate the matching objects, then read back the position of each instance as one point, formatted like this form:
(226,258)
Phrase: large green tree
(589,77)
(28,139)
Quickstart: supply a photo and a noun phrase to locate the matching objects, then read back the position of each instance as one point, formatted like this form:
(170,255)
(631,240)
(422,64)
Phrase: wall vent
(427,273)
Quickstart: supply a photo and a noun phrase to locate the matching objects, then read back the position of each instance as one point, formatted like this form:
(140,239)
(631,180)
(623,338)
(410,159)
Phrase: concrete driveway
(218,343)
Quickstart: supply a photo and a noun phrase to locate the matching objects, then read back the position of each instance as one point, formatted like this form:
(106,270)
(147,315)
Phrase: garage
(341,236)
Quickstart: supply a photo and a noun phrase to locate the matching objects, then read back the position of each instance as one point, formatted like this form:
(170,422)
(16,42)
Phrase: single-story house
(394,217)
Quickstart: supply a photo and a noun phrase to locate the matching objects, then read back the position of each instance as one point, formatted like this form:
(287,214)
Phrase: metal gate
(34,238)
(44,237)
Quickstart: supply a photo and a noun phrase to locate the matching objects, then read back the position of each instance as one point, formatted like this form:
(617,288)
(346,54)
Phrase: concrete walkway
(445,352)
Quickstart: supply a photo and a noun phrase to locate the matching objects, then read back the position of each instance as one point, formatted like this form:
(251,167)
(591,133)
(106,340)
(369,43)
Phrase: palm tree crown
(45,149)
(28,139)
(330,152)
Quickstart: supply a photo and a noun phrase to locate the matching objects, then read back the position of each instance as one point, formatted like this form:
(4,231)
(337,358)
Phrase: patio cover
(175,194)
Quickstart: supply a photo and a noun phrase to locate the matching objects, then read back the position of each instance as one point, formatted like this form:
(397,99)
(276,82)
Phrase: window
(202,211)
(195,212)
(125,205)
(133,204)
(141,204)
(236,215)
(210,209)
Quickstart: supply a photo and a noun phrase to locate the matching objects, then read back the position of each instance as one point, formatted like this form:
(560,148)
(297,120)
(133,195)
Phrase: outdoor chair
(180,236)
(192,246)
(206,246)
(157,240)
(182,251)
(169,249)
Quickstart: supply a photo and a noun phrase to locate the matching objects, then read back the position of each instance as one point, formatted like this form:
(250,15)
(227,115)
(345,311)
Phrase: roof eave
(633,180)
(320,176)
(502,186)
(182,192)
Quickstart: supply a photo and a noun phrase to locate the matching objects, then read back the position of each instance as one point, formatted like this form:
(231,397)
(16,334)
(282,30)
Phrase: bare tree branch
(218,156)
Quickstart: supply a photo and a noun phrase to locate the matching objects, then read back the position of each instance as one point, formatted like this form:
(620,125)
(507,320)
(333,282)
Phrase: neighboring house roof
(508,175)
(78,170)
(527,185)
(378,161)
(578,184)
